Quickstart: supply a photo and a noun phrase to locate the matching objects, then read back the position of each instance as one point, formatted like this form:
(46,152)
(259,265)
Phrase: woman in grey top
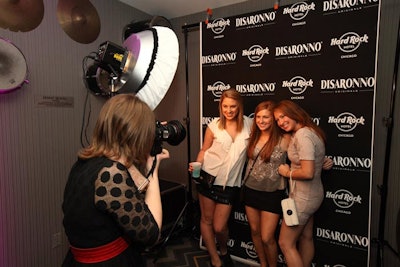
(306,152)
(264,187)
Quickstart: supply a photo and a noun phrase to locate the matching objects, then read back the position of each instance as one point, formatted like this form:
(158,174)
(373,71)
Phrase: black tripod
(188,207)
(383,188)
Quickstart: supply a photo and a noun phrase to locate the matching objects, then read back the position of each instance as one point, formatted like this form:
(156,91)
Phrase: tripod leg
(170,232)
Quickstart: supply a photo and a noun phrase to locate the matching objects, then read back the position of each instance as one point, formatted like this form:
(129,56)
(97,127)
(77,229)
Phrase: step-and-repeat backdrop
(321,54)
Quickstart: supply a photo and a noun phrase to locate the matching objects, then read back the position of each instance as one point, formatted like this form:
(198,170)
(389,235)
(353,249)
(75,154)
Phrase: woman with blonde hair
(223,156)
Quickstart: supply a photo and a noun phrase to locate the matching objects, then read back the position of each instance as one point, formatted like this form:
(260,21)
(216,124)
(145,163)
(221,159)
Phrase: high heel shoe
(227,260)
(211,265)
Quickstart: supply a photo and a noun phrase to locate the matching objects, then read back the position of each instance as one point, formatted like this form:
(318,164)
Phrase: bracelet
(143,186)
(290,174)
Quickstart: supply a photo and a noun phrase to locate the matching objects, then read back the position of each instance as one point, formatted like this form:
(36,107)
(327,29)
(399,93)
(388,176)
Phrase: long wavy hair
(275,133)
(297,113)
(125,127)
(235,95)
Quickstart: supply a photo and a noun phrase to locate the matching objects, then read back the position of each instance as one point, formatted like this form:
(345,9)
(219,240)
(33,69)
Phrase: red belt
(99,254)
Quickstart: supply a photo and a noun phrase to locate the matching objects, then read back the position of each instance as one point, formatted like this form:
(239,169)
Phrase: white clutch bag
(289,212)
(289,207)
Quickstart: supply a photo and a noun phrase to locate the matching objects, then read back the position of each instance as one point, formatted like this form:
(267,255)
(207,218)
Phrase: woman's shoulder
(247,121)
(112,165)
(213,125)
(286,137)
(246,118)
(306,132)
(285,140)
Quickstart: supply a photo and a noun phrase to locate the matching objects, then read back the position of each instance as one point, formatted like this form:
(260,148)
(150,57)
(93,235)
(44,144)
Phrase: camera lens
(176,133)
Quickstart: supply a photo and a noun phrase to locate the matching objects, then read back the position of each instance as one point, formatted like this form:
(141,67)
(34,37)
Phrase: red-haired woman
(306,152)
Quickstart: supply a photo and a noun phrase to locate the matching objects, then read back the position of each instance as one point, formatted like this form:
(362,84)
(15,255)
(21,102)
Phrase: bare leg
(220,224)
(287,241)
(306,243)
(207,207)
(269,221)
(253,216)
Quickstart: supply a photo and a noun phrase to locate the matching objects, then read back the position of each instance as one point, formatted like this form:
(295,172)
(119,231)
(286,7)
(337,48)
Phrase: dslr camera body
(173,133)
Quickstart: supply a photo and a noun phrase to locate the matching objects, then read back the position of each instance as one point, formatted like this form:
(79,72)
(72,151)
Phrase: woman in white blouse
(223,156)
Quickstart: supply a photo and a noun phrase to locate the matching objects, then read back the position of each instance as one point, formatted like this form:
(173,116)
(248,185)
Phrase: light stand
(188,207)
(383,188)
(190,213)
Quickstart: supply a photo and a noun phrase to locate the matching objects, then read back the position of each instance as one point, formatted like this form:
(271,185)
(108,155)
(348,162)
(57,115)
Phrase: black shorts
(266,201)
(227,196)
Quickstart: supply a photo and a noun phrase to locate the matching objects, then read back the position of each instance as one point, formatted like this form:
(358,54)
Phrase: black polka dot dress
(102,203)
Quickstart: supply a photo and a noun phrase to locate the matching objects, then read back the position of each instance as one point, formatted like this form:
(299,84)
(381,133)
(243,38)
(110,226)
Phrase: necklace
(262,142)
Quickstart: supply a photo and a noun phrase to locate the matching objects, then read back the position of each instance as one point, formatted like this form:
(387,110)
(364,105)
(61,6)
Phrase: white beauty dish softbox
(157,60)
(148,70)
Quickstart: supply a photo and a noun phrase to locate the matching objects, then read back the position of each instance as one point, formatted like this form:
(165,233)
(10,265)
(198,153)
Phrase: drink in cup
(196,169)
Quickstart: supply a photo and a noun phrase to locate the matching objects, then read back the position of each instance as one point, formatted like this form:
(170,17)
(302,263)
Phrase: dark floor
(181,250)
(180,245)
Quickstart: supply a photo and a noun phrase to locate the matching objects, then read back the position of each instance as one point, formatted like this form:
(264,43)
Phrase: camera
(173,133)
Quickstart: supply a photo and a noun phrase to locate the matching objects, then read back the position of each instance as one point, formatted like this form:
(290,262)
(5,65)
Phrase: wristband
(143,186)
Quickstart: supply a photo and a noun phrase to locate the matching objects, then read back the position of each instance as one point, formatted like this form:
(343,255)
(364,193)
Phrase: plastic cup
(196,169)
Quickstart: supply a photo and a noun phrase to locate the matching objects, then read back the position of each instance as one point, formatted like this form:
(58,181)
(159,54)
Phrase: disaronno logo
(348,83)
(240,216)
(255,88)
(207,120)
(342,238)
(298,49)
(219,58)
(345,4)
(257,19)
(350,163)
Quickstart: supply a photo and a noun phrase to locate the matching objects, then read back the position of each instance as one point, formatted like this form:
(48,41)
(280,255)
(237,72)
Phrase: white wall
(39,144)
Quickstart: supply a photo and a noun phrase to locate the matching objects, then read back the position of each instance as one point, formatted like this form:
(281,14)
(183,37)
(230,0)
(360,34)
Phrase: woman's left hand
(284,170)
(328,163)
(150,160)
(163,155)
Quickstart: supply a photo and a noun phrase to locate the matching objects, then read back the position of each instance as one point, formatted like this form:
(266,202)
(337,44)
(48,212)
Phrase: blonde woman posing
(223,156)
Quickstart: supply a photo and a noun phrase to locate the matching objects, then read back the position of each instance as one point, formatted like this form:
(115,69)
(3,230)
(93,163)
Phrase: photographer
(112,203)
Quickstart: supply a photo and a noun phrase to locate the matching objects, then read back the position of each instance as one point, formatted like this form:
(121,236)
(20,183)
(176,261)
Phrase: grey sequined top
(264,176)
